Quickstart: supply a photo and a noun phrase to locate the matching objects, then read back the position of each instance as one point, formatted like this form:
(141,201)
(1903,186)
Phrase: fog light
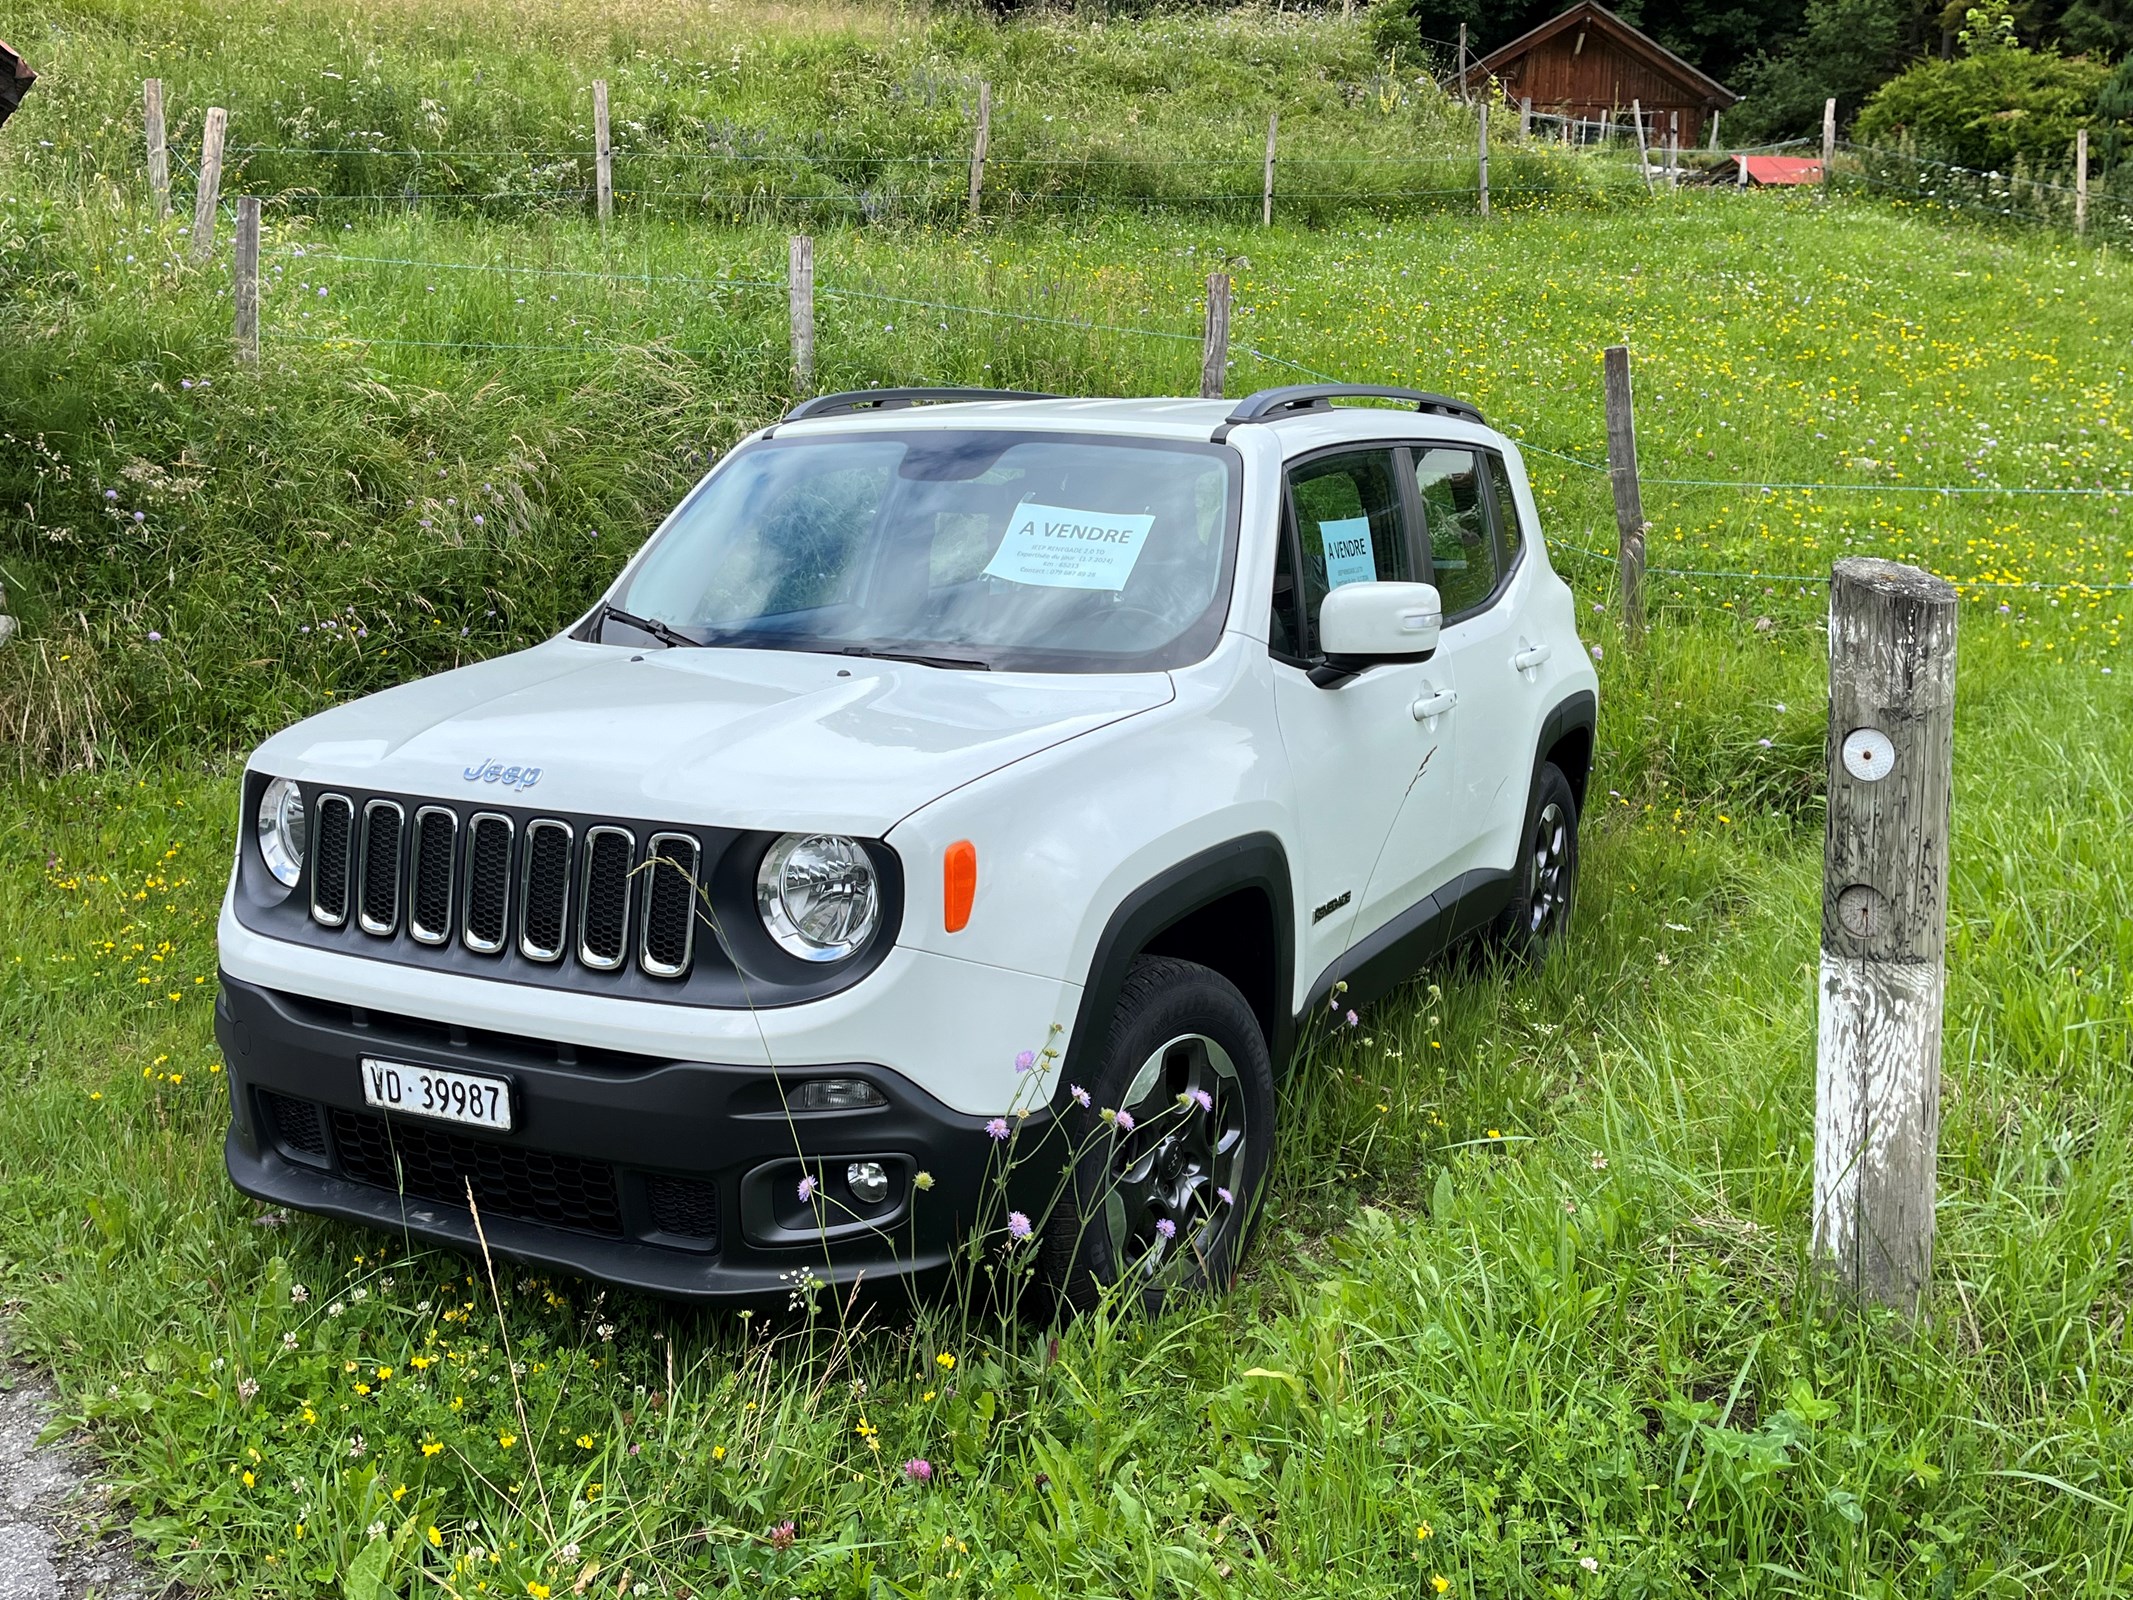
(834,1094)
(868,1181)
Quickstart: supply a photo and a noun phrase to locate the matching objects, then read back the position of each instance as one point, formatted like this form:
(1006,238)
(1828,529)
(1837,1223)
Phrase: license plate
(481,1101)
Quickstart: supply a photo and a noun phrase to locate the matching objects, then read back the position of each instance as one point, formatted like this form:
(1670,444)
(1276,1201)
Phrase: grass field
(1531,1313)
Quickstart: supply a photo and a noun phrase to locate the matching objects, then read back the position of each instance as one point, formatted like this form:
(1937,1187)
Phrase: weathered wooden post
(1740,169)
(1214,344)
(1266,193)
(800,302)
(1884,925)
(158,145)
(1482,169)
(1629,499)
(1829,139)
(1525,116)
(977,147)
(2081,181)
(1714,129)
(1636,120)
(603,153)
(244,278)
(209,190)
(1462,66)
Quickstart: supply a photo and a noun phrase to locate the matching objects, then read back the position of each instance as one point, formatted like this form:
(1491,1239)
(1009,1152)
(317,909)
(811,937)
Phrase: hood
(716,738)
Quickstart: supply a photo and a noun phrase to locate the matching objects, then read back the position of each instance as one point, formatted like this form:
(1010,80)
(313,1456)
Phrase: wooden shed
(1588,64)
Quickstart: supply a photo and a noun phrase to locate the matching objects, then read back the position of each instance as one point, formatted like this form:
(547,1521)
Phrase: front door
(1375,746)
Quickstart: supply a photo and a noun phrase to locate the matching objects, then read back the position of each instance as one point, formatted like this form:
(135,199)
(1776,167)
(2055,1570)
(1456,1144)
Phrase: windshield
(1031,551)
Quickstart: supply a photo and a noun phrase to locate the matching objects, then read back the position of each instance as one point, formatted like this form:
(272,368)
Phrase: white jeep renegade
(929,723)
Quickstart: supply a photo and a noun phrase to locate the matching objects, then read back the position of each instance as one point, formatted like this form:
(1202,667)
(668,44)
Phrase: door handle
(1526,660)
(1434,705)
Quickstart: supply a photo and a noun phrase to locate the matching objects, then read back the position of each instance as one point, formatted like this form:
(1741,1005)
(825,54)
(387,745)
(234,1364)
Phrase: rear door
(1472,538)
(1360,753)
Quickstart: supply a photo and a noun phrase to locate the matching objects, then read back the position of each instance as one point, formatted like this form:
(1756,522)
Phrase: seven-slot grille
(542,890)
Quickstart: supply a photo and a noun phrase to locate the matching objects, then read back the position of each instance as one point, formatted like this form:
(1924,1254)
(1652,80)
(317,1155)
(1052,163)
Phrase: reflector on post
(959,884)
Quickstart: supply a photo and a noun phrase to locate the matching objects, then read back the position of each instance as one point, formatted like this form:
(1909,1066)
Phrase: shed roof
(1588,14)
(1777,170)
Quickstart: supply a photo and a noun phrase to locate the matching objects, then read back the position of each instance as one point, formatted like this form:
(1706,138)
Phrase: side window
(1348,528)
(1462,555)
(1506,512)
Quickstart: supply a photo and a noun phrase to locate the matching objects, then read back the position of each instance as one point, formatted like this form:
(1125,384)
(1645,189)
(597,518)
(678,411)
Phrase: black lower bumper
(679,1178)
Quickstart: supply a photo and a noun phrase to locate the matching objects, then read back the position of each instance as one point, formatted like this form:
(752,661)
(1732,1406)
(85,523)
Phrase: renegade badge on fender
(930,721)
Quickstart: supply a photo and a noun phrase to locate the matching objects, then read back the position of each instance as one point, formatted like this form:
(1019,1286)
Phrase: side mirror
(1363,624)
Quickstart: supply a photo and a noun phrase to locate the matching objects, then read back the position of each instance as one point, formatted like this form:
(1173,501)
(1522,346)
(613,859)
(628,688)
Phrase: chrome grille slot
(544,890)
(669,934)
(436,847)
(378,883)
(604,897)
(329,861)
(486,917)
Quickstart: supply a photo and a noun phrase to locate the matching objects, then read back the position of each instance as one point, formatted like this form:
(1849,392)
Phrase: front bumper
(675,1177)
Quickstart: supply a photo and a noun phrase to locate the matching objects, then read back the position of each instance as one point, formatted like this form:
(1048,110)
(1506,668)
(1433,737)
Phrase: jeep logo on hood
(520,778)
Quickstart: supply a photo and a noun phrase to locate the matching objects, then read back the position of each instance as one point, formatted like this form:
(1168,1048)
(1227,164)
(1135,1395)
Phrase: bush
(1987,110)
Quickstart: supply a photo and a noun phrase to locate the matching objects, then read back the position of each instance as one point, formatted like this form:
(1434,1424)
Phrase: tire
(1545,879)
(1179,1028)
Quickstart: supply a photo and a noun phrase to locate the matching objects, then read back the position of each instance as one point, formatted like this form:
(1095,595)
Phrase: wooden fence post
(1525,116)
(209,190)
(800,299)
(244,278)
(977,147)
(1673,149)
(1629,500)
(1214,346)
(2081,181)
(1636,118)
(158,145)
(1829,139)
(1740,169)
(603,153)
(1266,194)
(1469,99)
(1482,168)
(1884,925)
(1714,129)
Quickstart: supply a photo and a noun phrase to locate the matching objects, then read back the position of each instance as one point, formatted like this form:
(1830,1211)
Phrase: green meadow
(1531,1310)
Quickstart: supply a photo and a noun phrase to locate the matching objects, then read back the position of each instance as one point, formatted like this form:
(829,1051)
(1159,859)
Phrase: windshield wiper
(950,662)
(665,633)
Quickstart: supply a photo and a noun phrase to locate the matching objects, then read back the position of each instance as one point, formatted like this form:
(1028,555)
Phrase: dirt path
(53,1542)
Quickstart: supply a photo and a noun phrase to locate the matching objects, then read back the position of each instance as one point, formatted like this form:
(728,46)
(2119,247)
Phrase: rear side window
(1348,526)
(1506,512)
(1455,519)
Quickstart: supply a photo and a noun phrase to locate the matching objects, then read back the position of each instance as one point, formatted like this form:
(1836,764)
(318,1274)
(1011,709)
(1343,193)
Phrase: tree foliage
(1989,109)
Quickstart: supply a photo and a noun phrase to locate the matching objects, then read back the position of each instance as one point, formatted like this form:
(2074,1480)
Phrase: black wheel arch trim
(1575,713)
(1251,861)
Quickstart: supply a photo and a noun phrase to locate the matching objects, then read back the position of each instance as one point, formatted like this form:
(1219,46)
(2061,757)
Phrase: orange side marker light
(959,884)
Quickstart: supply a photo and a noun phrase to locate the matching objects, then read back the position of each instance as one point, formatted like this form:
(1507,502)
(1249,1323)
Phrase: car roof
(1156,417)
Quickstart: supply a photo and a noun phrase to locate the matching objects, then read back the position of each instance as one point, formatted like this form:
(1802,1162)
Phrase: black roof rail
(851,400)
(1271,405)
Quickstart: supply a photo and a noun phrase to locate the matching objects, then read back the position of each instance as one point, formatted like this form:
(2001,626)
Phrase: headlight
(818,896)
(281,830)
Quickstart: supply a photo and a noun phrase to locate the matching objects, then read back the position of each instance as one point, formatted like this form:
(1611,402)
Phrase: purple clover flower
(1352,1019)
(997,1129)
(1017,1225)
(919,1470)
(807,1188)
(111,494)
(1025,1061)
(1225,1196)
(1125,1122)
(1165,1227)
(1081,1095)
(154,637)
(1202,1099)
